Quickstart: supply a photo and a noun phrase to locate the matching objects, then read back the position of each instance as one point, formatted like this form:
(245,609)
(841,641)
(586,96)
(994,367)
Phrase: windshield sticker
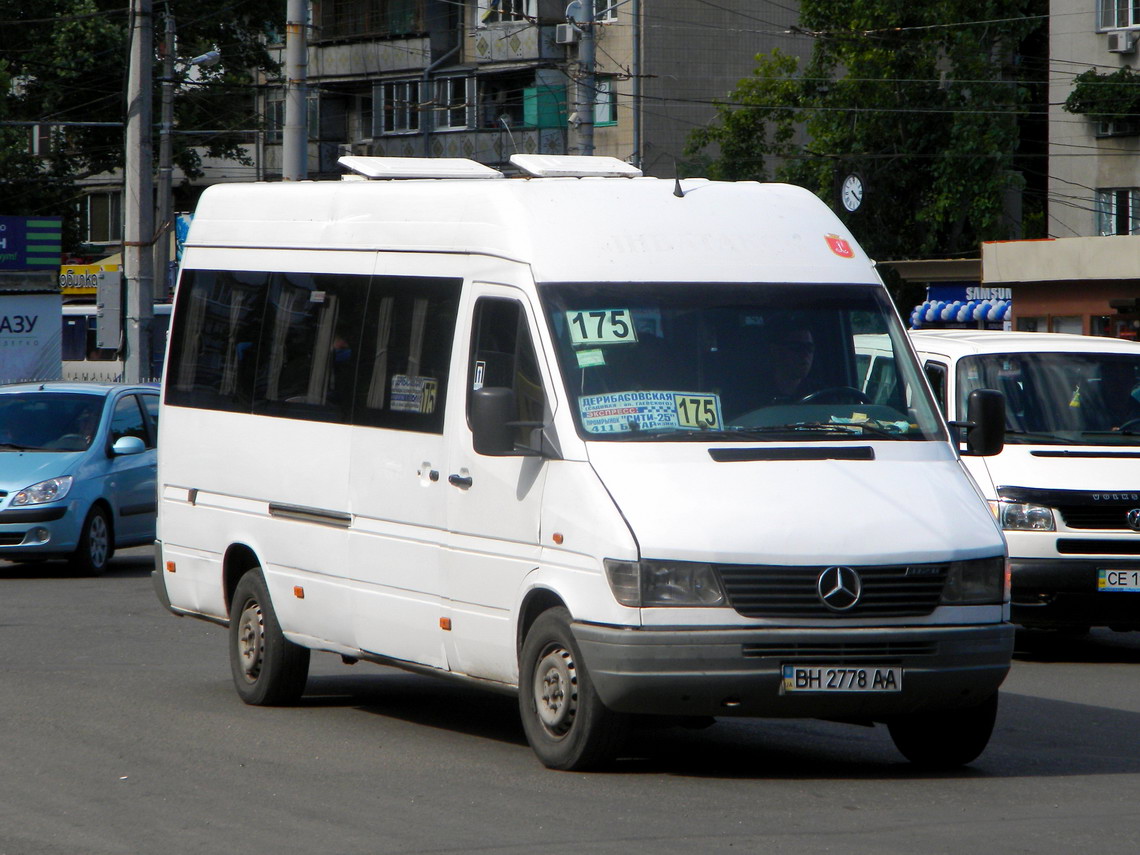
(480,373)
(413,394)
(619,412)
(601,326)
(590,358)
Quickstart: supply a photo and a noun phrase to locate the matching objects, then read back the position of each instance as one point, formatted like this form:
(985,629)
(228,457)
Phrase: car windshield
(727,362)
(1060,398)
(48,421)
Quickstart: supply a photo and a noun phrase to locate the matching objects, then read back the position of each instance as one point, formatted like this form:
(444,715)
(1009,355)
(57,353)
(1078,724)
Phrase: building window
(399,107)
(451,103)
(1117,14)
(605,10)
(605,101)
(1118,211)
(42,140)
(354,19)
(500,11)
(102,216)
(275,115)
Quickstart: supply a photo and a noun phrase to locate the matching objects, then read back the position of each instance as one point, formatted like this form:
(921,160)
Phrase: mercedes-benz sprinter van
(580,435)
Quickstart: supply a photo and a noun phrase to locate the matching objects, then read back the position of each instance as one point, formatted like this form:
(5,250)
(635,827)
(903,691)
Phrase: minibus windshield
(1060,398)
(728,362)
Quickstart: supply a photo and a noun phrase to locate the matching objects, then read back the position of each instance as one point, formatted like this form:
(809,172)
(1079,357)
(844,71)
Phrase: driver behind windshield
(786,357)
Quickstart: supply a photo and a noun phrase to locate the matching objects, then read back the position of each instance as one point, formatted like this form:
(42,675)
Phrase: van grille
(1092,516)
(1074,546)
(759,590)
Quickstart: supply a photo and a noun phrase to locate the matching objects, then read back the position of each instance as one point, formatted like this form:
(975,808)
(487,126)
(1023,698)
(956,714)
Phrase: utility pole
(138,198)
(581,131)
(295,142)
(165,161)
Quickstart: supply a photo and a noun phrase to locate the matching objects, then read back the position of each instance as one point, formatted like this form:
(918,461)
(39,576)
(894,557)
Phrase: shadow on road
(1099,646)
(1035,737)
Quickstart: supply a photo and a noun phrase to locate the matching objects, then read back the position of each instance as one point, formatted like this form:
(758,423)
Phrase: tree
(927,101)
(66,70)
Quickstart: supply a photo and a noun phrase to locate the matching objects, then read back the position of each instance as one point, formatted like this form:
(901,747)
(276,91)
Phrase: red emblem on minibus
(839,246)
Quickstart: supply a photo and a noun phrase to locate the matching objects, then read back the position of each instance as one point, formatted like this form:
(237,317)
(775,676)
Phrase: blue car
(77,471)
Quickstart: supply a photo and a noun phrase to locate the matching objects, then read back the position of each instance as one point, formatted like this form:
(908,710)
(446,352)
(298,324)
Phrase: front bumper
(1058,593)
(38,532)
(738,671)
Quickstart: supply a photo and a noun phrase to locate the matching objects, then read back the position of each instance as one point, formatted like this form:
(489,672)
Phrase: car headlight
(664,583)
(51,490)
(984,581)
(1023,516)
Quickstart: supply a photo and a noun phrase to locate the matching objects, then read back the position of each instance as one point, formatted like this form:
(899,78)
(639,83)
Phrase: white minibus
(580,435)
(1066,486)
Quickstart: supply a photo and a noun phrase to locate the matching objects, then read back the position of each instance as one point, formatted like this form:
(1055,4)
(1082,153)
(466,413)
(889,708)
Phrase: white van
(1066,487)
(584,436)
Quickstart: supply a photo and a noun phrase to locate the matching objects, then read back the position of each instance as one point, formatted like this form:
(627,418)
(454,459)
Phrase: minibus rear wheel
(945,740)
(268,669)
(565,721)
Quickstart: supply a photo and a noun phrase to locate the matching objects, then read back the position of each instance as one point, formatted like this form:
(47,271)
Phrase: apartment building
(1086,277)
(484,79)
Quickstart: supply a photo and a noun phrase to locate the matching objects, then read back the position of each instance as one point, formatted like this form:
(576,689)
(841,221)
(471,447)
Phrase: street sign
(30,243)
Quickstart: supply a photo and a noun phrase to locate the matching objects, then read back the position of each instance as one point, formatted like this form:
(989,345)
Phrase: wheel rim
(251,641)
(556,690)
(98,540)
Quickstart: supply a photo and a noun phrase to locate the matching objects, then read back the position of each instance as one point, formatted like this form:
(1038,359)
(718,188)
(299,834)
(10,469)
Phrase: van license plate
(1118,580)
(841,678)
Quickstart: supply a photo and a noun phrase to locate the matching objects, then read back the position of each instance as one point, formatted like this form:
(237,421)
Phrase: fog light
(38,535)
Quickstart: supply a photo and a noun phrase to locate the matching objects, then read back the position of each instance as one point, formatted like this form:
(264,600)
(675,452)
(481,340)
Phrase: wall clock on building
(851,191)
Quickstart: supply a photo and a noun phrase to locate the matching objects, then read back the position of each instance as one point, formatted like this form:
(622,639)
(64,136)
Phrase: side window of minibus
(936,374)
(502,354)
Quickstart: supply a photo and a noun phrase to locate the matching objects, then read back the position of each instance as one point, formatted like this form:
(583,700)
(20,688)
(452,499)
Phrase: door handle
(462,481)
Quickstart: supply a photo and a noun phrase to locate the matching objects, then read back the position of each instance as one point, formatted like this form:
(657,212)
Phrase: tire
(96,544)
(565,721)
(945,740)
(268,669)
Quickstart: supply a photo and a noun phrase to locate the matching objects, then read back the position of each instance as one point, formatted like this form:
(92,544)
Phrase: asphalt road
(120,733)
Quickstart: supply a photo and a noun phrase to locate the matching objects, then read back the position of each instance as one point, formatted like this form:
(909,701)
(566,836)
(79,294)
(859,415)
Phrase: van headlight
(983,581)
(1023,516)
(51,490)
(664,583)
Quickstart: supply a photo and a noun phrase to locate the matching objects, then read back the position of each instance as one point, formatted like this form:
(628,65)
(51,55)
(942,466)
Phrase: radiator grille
(777,591)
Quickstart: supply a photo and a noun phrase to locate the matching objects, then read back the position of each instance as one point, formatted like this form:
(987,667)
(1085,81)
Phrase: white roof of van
(957,343)
(567,229)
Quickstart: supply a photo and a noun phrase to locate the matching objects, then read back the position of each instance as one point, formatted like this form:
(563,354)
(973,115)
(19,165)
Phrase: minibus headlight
(664,583)
(1023,516)
(51,490)
(975,583)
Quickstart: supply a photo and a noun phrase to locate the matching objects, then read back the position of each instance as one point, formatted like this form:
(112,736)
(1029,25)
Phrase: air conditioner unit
(567,34)
(1122,42)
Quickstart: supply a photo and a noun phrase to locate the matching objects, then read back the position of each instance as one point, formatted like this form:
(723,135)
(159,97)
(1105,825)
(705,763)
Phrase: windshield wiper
(15,446)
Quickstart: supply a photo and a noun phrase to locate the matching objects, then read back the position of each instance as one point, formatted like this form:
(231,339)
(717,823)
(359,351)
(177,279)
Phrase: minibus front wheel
(268,669)
(565,721)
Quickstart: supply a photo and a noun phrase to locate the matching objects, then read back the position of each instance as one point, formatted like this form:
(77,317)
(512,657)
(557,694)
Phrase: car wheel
(565,721)
(945,740)
(267,668)
(96,544)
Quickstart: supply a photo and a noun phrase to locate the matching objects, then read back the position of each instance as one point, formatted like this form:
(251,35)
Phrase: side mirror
(492,408)
(493,423)
(128,445)
(985,422)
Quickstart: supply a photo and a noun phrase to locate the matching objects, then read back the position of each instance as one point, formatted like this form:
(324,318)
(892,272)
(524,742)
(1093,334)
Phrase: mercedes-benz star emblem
(839,588)
(1134,519)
